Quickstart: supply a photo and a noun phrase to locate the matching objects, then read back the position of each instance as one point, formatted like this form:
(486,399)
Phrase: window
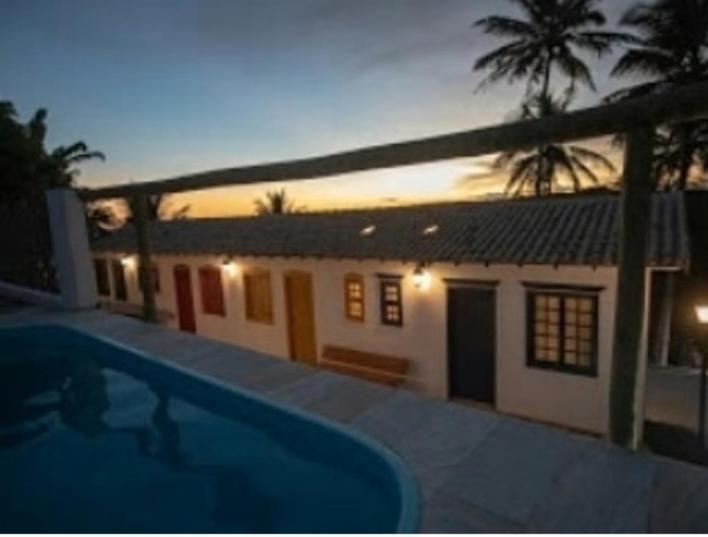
(155,275)
(354,297)
(119,286)
(100,267)
(212,291)
(391,301)
(259,303)
(562,330)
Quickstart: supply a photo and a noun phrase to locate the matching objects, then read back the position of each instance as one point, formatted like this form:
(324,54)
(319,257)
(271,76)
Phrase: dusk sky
(165,88)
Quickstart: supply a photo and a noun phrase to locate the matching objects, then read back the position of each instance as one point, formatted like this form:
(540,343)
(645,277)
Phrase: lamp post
(702,316)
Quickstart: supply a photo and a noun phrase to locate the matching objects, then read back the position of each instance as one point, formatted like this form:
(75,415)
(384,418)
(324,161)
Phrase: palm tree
(275,202)
(27,170)
(539,170)
(668,48)
(157,209)
(56,168)
(548,38)
(62,161)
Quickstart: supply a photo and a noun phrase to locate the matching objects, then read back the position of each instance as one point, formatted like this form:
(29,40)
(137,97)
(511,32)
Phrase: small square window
(354,297)
(391,303)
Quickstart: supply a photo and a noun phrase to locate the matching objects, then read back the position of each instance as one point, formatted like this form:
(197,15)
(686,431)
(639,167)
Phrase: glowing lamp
(229,266)
(702,313)
(421,278)
(128,261)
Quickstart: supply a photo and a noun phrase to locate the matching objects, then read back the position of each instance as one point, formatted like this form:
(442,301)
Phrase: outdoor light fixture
(229,266)
(368,230)
(702,314)
(128,261)
(421,277)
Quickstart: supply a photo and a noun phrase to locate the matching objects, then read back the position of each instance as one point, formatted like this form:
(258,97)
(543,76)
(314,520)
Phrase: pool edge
(408,488)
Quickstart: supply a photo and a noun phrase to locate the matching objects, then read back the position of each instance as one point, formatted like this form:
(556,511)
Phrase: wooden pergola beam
(685,104)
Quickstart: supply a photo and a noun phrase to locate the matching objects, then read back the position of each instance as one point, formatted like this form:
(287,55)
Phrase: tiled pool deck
(478,472)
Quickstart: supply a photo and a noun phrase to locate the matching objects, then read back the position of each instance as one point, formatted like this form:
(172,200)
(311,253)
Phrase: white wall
(545,395)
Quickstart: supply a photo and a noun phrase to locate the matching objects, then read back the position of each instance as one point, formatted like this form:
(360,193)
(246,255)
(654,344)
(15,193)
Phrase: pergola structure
(636,119)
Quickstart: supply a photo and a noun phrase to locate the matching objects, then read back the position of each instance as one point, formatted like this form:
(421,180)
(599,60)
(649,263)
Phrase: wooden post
(139,207)
(629,311)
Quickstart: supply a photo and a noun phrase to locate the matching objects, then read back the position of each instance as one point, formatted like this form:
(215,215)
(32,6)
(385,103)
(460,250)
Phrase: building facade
(528,339)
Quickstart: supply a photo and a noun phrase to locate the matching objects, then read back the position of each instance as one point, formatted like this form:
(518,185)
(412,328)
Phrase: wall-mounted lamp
(421,277)
(128,261)
(229,266)
(702,314)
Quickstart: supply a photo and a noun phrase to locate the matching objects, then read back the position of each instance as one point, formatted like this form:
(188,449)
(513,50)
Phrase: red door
(185,302)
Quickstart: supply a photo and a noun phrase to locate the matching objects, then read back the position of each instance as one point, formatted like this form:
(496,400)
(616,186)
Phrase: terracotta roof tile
(563,230)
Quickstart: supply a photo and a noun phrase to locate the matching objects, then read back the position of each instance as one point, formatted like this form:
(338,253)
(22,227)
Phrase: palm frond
(506,27)
(595,158)
(585,170)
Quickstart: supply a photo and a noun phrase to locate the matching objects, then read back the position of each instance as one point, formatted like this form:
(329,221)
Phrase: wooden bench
(380,368)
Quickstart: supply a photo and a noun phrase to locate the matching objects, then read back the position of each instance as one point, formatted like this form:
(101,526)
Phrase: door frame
(288,316)
(470,283)
(180,268)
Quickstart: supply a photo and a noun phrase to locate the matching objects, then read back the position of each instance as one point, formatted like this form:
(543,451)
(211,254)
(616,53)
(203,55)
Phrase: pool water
(97,438)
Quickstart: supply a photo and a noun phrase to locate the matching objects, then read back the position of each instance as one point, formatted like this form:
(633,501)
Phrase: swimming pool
(97,437)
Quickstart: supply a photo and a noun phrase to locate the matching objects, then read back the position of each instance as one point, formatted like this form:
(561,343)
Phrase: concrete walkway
(478,472)
(673,395)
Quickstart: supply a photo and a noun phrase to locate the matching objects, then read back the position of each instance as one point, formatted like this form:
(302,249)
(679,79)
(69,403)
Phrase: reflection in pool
(94,437)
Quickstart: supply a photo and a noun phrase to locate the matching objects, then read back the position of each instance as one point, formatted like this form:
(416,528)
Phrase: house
(509,303)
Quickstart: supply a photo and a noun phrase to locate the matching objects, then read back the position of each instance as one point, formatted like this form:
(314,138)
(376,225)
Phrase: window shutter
(259,302)
(212,291)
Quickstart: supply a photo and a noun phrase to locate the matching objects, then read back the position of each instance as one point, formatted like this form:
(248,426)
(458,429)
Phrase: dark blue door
(472,343)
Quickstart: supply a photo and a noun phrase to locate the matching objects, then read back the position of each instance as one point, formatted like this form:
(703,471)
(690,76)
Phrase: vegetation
(547,41)
(27,170)
(275,202)
(668,48)
(548,38)
(26,166)
(158,209)
(539,170)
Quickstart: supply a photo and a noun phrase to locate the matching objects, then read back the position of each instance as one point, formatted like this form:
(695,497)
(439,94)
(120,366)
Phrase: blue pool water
(95,437)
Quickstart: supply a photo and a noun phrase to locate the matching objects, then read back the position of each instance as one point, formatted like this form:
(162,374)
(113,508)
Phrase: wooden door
(185,299)
(301,317)
(472,343)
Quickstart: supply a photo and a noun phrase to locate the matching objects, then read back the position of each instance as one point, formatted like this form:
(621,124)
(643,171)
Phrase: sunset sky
(165,88)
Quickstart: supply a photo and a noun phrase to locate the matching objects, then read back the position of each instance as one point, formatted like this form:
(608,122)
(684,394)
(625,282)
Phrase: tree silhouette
(539,170)
(668,48)
(275,202)
(549,37)
(547,40)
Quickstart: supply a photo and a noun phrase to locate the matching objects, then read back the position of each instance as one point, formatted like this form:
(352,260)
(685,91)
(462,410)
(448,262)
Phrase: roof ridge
(568,230)
(556,198)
